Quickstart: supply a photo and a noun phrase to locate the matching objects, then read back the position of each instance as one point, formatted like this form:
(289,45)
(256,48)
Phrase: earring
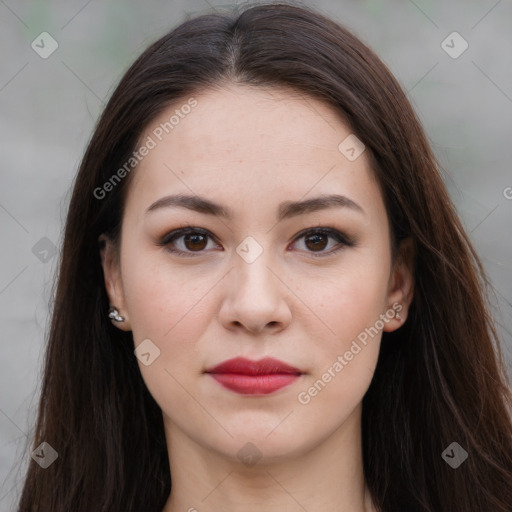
(113,314)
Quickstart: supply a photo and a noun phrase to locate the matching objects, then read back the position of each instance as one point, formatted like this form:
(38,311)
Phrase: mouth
(254,377)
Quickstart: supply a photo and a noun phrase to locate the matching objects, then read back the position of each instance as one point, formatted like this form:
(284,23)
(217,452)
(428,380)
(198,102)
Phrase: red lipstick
(254,377)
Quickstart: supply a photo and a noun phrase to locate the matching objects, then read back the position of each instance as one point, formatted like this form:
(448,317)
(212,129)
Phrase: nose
(256,298)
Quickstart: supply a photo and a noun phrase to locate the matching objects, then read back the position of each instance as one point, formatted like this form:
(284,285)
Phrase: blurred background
(59,63)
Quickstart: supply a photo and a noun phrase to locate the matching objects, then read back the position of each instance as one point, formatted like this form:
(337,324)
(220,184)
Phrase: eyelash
(342,239)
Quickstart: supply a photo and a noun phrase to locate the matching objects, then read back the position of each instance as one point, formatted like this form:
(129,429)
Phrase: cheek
(350,302)
(351,298)
(165,307)
(164,304)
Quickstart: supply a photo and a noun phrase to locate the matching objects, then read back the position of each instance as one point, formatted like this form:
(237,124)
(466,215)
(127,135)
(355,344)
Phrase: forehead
(250,143)
(243,119)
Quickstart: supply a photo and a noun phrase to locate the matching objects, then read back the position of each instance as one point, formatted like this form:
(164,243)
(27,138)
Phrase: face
(271,271)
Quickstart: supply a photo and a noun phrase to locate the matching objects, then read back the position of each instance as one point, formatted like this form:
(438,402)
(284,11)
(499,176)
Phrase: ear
(401,285)
(110,261)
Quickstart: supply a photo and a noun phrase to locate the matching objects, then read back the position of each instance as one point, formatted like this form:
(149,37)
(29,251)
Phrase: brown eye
(195,242)
(316,242)
(190,241)
(186,241)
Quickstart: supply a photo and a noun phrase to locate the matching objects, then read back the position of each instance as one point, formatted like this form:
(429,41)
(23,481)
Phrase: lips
(254,377)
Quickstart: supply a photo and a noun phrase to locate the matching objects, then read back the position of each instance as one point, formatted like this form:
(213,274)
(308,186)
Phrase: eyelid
(343,239)
(183,230)
(326,230)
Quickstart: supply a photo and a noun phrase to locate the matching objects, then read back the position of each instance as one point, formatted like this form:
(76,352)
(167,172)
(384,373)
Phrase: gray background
(49,107)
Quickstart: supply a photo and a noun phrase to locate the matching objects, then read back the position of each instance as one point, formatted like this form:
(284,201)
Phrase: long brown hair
(439,379)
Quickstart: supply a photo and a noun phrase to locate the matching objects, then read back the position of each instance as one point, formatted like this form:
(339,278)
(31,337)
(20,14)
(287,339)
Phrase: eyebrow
(287,209)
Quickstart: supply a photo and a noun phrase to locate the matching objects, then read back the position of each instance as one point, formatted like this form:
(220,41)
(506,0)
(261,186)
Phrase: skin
(249,149)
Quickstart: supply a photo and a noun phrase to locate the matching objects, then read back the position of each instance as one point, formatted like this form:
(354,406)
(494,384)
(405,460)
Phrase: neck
(327,477)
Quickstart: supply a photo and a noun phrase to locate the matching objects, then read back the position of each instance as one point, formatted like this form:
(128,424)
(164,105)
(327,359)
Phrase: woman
(265,295)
